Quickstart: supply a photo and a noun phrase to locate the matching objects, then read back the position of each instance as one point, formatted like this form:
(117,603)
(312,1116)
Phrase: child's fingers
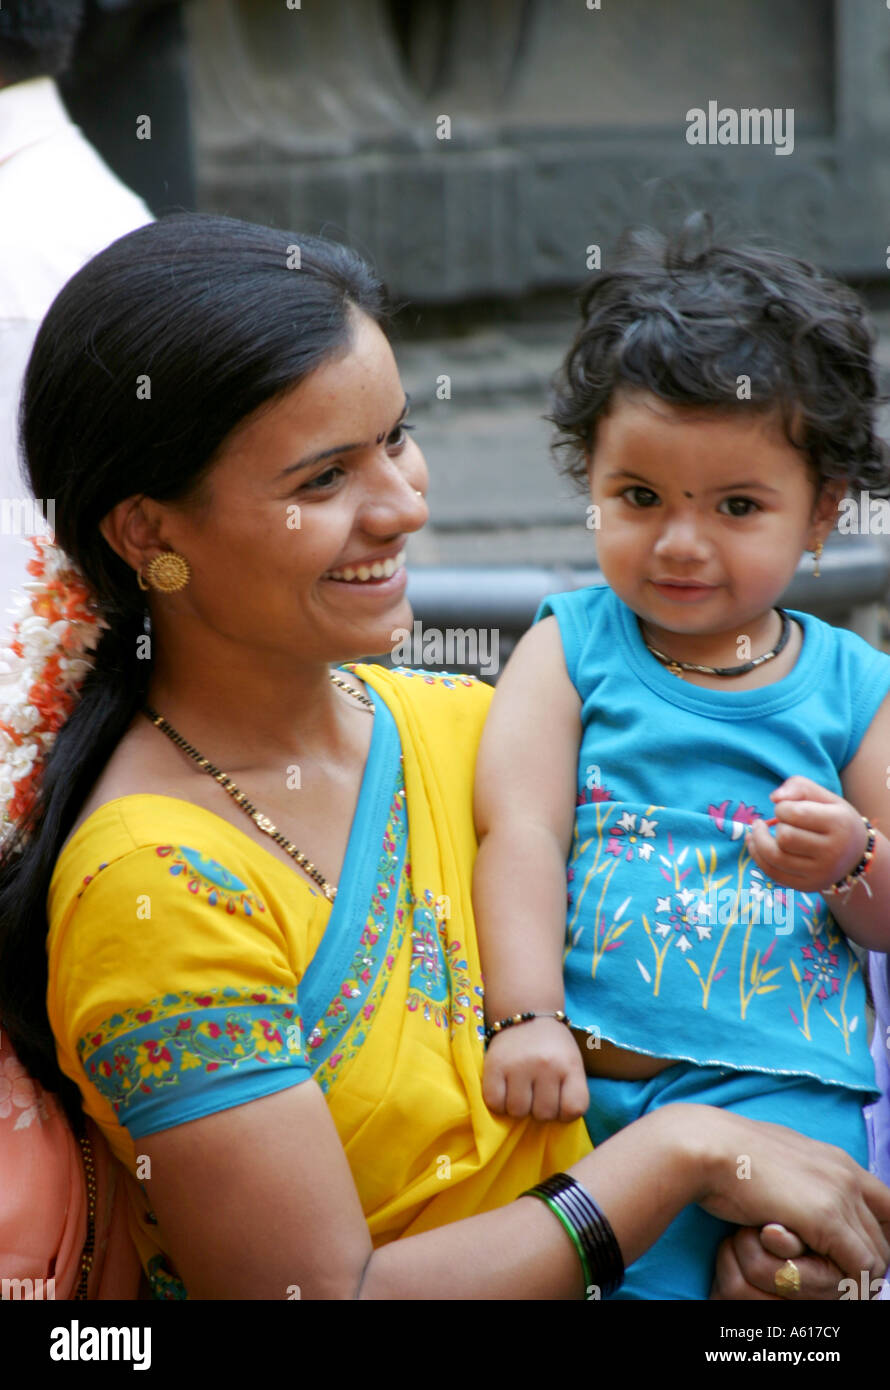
(545,1097)
(779,1241)
(519,1094)
(798,788)
(494,1087)
(790,840)
(819,816)
(574,1097)
(772,856)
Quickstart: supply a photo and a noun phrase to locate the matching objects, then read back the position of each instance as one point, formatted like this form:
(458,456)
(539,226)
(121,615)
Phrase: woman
(263,976)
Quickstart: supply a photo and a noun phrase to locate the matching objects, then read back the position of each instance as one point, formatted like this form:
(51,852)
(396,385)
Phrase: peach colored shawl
(43,1199)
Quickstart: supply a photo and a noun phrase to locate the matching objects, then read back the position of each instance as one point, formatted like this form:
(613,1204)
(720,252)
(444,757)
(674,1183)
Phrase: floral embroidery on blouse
(202,875)
(180,1039)
(208,876)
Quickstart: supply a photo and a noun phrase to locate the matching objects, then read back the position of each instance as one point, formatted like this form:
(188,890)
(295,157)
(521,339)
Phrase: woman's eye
(323,480)
(399,438)
(641,496)
(738,506)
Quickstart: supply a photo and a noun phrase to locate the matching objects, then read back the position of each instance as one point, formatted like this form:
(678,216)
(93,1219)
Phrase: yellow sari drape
(191,971)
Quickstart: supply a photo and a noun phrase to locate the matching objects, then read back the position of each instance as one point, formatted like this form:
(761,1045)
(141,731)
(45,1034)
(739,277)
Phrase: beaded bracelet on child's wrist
(856,875)
(515,1019)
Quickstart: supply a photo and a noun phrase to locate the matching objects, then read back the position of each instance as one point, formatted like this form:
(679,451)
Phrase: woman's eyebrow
(337,449)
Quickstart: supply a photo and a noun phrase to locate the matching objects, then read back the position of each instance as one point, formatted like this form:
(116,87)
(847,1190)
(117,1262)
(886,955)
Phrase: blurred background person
(59,205)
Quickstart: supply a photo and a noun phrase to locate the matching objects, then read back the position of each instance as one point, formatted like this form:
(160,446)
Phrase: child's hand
(819,837)
(536,1069)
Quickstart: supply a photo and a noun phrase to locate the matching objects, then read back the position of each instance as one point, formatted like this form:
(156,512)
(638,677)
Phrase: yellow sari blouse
(190,971)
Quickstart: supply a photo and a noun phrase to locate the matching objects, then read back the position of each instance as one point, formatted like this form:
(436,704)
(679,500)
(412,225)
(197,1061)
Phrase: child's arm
(820,837)
(526,781)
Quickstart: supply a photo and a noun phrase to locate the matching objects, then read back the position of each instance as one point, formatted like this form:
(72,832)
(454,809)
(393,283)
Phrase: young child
(704,761)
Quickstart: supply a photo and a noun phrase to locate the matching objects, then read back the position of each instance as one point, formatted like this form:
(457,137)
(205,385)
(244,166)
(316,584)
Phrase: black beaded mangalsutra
(262,822)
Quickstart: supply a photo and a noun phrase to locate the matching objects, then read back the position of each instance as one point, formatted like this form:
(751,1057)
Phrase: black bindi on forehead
(687,494)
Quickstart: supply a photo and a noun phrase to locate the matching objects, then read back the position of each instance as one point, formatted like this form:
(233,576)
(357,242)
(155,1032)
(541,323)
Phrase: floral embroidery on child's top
(727,920)
(825,971)
(636,841)
(219,885)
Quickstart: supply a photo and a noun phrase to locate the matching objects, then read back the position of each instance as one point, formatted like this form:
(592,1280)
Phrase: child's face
(702,516)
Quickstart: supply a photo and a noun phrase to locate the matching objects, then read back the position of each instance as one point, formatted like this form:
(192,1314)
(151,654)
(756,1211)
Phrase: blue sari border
(342,938)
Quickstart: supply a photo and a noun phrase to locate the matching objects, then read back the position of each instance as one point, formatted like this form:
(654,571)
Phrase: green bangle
(570,1232)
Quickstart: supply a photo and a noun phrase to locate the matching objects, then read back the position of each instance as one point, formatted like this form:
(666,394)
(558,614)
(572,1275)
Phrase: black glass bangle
(597,1239)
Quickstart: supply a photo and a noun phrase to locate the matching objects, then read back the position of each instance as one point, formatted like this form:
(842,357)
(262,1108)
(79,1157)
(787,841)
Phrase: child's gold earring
(817,555)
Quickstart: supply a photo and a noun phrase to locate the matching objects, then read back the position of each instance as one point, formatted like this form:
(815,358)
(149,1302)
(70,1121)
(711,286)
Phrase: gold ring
(788,1278)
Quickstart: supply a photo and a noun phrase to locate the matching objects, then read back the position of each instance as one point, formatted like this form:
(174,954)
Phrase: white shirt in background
(59,206)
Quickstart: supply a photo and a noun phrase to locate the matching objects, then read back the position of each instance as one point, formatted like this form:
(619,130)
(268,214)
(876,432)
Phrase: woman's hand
(838,1209)
(749,1259)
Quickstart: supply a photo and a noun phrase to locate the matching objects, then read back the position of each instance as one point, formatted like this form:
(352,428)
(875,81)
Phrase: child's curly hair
(686,321)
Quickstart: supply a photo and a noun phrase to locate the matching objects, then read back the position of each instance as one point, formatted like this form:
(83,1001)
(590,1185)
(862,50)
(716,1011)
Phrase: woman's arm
(526,779)
(258,1202)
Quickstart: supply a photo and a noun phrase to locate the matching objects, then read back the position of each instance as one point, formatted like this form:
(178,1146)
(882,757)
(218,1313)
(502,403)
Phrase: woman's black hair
(692,322)
(218,317)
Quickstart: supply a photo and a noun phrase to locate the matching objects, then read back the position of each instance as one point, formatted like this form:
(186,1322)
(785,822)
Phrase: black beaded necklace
(677,667)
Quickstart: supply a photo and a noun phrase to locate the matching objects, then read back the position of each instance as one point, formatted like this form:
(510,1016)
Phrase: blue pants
(680,1265)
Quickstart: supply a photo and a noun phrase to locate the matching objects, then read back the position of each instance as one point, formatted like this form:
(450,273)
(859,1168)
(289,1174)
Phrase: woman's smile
(375,579)
(374,570)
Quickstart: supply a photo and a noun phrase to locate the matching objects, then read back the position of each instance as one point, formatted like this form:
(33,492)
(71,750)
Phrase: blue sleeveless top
(677,944)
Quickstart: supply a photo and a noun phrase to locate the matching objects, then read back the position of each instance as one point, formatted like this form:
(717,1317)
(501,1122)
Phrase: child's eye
(738,506)
(640,496)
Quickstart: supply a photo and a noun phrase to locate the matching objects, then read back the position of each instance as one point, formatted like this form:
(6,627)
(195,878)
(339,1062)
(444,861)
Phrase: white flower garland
(55,627)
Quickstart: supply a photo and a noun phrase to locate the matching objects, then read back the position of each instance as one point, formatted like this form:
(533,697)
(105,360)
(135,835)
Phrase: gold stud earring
(167,572)
(817,555)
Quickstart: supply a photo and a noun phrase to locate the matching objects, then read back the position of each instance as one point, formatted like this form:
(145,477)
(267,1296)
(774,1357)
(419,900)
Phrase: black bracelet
(600,1252)
(527,1017)
(850,880)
